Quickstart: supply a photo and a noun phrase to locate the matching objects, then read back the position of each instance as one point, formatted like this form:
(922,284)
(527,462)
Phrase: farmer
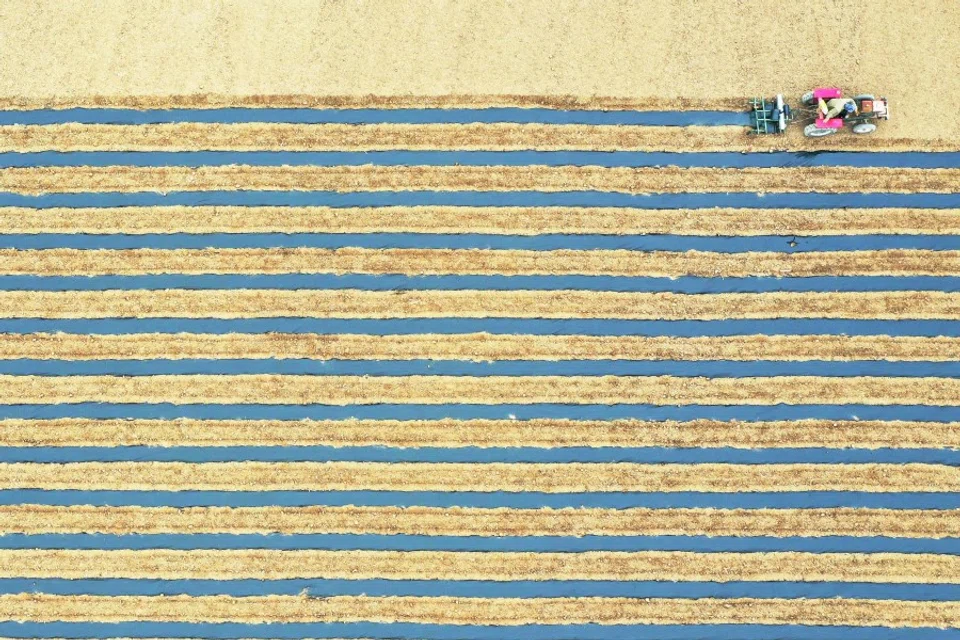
(837,107)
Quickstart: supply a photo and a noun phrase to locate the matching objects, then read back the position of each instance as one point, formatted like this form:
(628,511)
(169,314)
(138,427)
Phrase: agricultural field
(474,320)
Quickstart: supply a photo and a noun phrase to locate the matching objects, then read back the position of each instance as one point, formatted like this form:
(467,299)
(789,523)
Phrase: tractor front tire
(864,96)
(813,131)
(864,128)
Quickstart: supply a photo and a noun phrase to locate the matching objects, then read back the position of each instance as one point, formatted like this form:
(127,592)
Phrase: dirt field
(215,335)
(667,52)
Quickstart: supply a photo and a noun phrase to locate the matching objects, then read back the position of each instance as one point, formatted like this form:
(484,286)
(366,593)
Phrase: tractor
(830,112)
(823,111)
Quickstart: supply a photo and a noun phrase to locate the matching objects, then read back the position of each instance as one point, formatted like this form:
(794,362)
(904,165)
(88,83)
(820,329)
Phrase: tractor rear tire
(813,131)
(808,98)
(864,128)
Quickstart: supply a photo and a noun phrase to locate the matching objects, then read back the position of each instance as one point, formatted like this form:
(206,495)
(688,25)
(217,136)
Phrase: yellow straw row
(479,347)
(543,432)
(38,607)
(130,179)
(420,389)
(509,262)
(508,477)
(265,136)
(469,521)
(673,566)
(369,101)
(355,303)
(485,220)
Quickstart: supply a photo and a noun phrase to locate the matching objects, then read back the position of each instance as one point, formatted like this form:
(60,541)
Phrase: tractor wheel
(864,96)
(813,131)
(808,98)
(864,127)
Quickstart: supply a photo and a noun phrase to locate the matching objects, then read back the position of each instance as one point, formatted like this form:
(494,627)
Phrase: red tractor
(830,112)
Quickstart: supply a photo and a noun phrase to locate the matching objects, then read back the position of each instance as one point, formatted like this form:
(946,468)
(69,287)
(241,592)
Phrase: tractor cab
(821,98)
(823,111)
(867,109)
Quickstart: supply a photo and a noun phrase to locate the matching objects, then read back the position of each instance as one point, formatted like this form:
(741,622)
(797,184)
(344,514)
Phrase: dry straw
(469,521)
(481,347)
(675,566)
(487,220)
(420,389)
(546,433)
(37,180)
(354,303)
(509,477)
(481,611)
(655,264)
(197,136)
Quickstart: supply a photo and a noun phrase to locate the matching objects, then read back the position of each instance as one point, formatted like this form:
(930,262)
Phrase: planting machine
(823,112)
(770,116)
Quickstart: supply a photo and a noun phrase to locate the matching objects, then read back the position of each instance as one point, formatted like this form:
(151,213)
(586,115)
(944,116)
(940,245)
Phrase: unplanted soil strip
(311,101)
(481,611)
(656,264)
(545,433)
(462,521)
(485,220)
(37,180)
(271,564)
(488,390)
(479,347)
(508,477)
(254,136)
(354,303)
